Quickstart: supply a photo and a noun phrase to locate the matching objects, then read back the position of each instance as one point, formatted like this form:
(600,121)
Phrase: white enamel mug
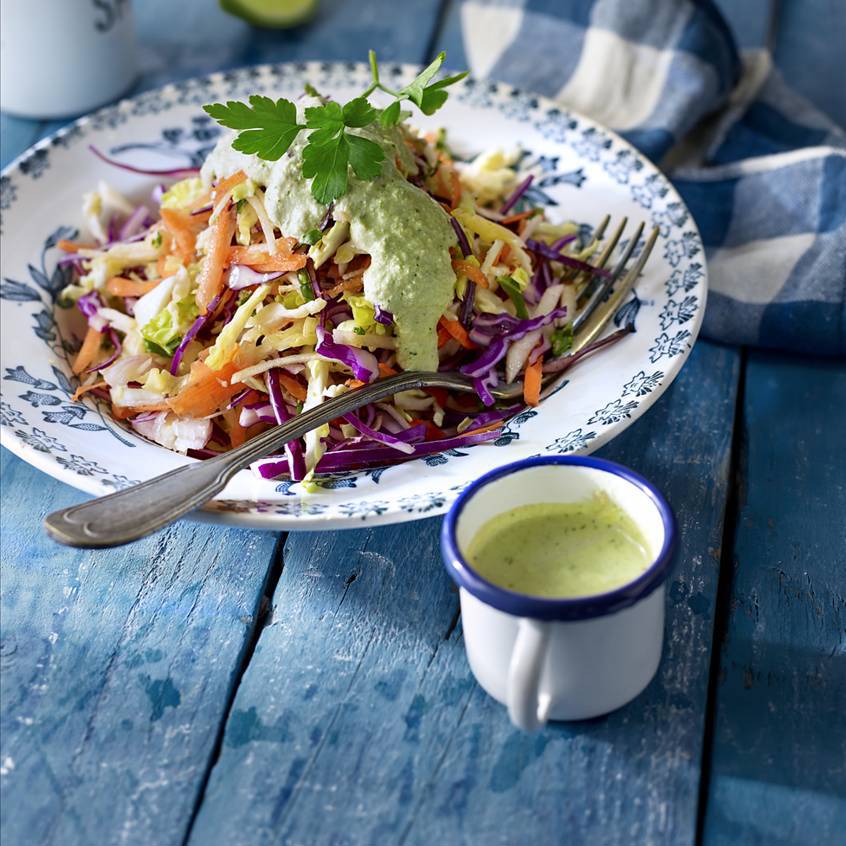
(63,57)
(561,659)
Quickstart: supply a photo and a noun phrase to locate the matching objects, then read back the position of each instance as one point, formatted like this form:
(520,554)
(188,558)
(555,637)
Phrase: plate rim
(268,520)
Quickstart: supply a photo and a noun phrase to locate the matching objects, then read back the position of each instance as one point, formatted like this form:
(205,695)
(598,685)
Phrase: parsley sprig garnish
(267,128)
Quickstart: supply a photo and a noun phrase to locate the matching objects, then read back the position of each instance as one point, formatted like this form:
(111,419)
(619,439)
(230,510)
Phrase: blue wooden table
(221,686)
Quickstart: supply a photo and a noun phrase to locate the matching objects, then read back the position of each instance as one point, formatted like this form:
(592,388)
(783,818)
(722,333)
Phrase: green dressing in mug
(561,549)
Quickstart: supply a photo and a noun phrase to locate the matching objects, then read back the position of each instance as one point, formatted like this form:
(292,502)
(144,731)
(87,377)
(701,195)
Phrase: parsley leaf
(429,98)
(390,115)
(359,112)
(414,90)
(326,163)
(331,149)
(267,128)
(434,95)
(366,157)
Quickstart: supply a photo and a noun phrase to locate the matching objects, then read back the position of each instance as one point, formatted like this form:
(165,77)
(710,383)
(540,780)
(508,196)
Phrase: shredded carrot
(88,351)
(237,433)
(279,264)
(532,382)
(120,286)
(73,247)
(504,253)
(354,383)
(470,271)
(160,266)
(293,386)
(443,337)
(385,370)
(84,389)
(210,279)
(226,185)
(516,218)
(207,391)
(122,412)
(457,331)
(356,283)
(257,257)
(497,424)
(455,188)
(184,232)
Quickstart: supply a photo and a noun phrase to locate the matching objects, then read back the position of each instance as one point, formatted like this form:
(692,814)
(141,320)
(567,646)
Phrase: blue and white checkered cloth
(762,168)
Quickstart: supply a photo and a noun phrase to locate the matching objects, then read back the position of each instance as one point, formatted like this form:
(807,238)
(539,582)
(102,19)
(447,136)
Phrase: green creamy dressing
(560,549)
(405,232)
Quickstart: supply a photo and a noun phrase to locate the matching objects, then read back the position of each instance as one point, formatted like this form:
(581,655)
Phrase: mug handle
(525,707)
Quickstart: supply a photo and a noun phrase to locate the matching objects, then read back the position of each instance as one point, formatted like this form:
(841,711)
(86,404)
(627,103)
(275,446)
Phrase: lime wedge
(271,13)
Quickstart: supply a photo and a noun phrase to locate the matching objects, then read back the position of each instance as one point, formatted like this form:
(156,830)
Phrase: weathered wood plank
(117,670)
(779,757)
(16,134)
(358,721)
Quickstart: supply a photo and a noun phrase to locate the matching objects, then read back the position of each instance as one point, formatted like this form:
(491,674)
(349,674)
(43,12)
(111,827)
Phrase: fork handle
(132,513)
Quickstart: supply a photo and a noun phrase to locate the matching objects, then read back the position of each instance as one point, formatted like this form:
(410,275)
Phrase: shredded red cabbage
(489,326)
(555,255)
(381,437)
(293,449)
(341,460)
(482,365)
(192,332)
(467,305)
(363,364)
(134,225)
(463,243)
(176,172)
(383,316)
(481,385)
(515,196)
(113,337)
(89,304)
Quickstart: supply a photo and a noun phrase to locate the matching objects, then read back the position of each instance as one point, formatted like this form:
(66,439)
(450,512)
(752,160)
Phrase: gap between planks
(725,580)
(263,616)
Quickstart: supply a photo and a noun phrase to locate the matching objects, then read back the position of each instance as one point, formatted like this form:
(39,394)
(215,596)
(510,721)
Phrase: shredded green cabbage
(227,340)
(164,332)
(184,194)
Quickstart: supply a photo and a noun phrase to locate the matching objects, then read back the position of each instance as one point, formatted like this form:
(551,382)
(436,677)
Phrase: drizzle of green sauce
(560,549)
(405,232)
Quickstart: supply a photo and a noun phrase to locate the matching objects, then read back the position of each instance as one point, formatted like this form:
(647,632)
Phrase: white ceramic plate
(587,171)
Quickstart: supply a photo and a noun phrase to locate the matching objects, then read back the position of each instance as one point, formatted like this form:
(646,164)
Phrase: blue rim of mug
(572,608)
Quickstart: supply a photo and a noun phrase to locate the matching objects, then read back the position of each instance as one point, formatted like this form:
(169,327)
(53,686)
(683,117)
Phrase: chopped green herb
(359,330)
(561,340)
(312,237)
(156,240)
(512,288)
(305,285)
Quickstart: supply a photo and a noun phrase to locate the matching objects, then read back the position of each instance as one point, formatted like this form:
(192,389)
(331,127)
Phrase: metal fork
(130,514)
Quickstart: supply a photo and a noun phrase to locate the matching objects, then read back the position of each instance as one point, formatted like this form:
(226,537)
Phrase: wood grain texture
(358,721)
(117,670)
(779,759)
